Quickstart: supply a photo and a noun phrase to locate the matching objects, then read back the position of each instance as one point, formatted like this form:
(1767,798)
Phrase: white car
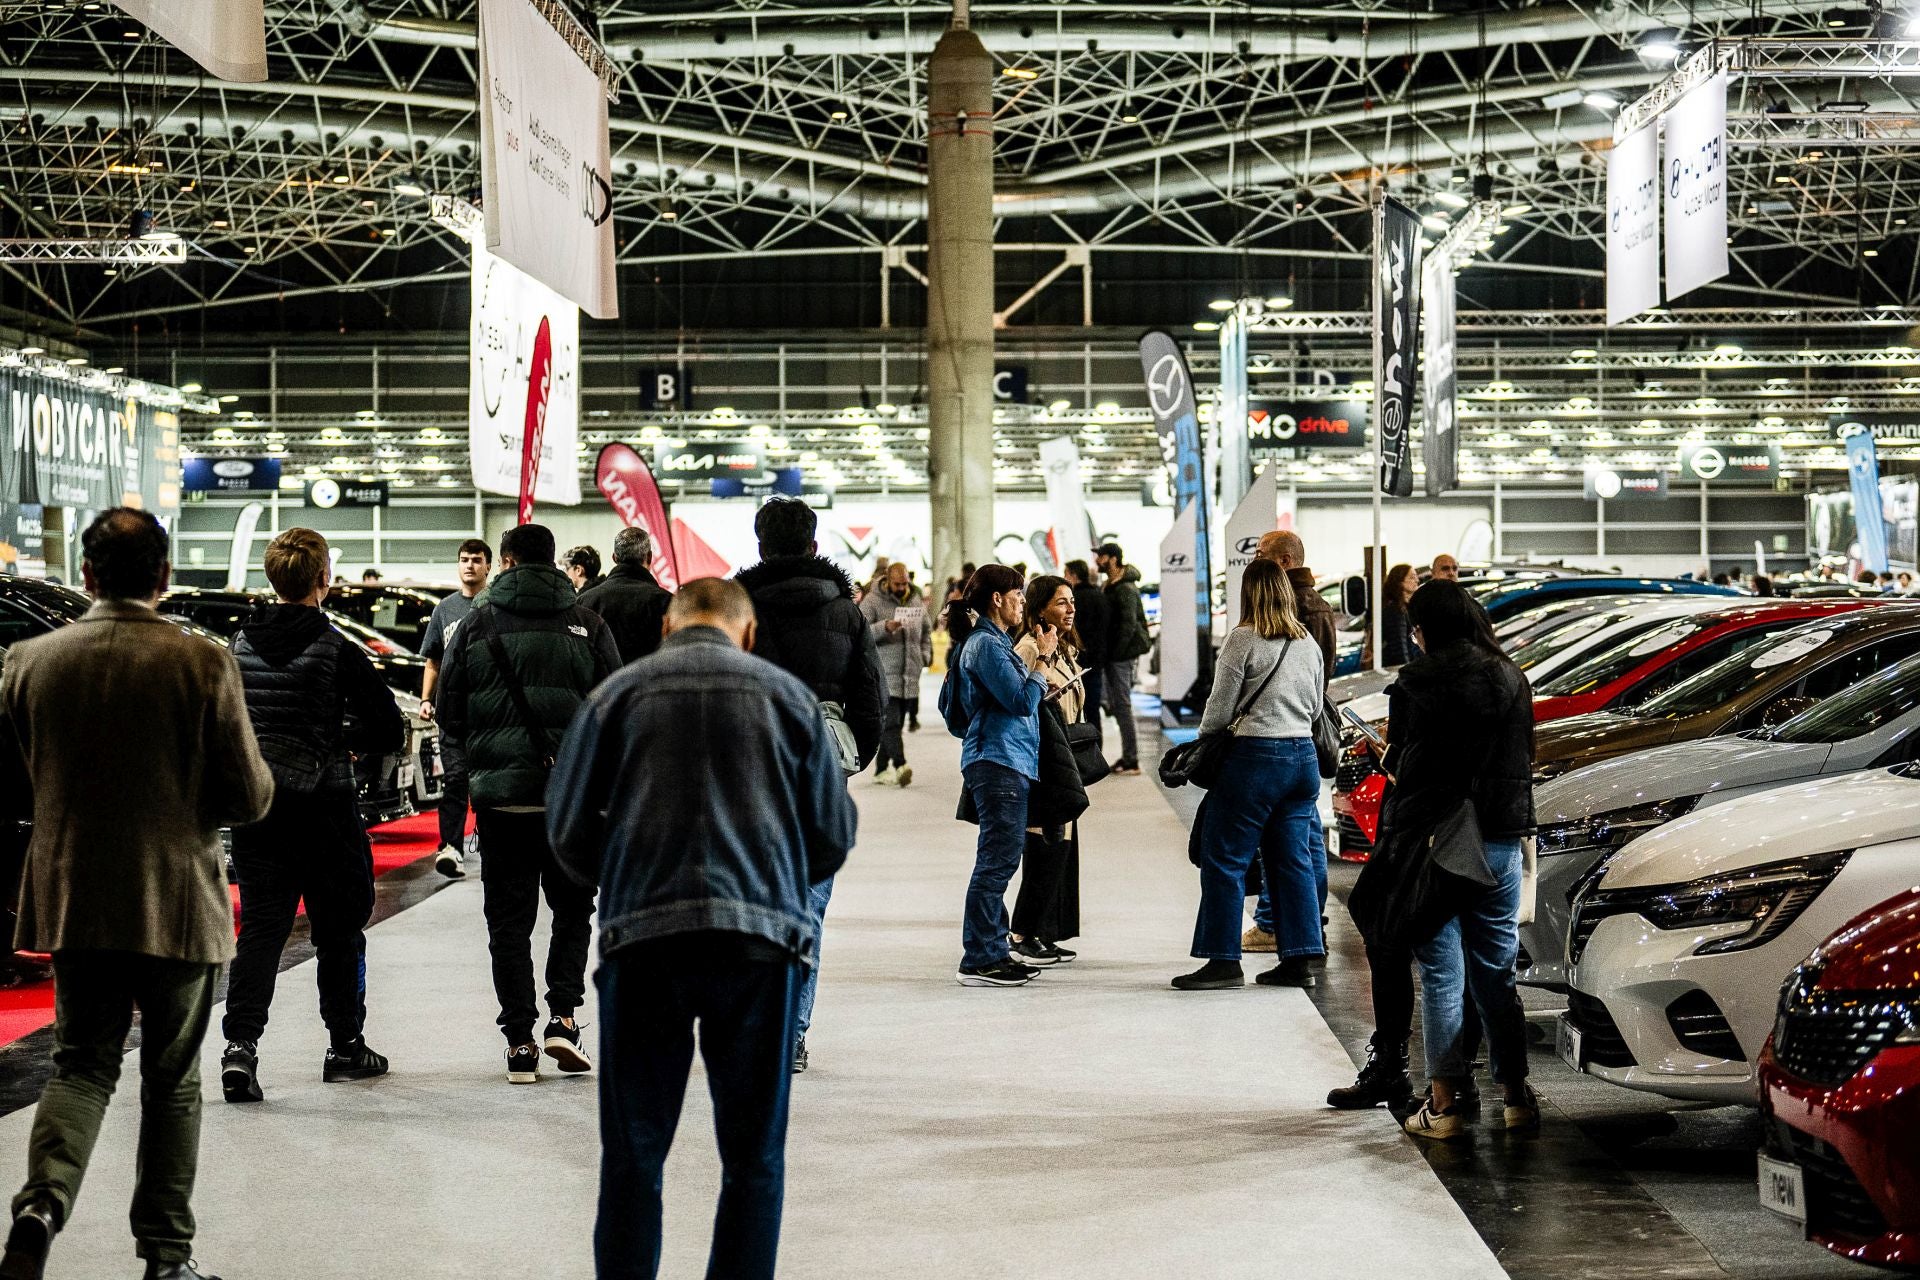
(1679,942)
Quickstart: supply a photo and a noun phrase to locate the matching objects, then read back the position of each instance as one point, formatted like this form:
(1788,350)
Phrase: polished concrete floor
(1095,1124)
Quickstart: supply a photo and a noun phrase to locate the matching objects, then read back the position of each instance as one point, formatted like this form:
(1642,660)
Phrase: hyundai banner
(1696,188)
(71,446)
(1252,520)
(1633,225)
(1440,445)
(1183,630)
(1869,515)
(510,312)
(546,173)
(1396,325)
(1177,420)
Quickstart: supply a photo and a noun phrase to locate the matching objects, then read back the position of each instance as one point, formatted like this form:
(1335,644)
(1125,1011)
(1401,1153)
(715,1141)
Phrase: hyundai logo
(1248,546)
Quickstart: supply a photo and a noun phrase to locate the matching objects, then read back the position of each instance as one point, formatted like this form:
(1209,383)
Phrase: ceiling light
(838,113)
(1600,100)
(1452,199)
(1020,73)
(1727,349)
(192,388)
(409,189)
(1434,222)
(1660,49)
(1220,304)
(115,368)
(1561,99)
(1584,353)
(340,179)
(219,223)
(1870,253)
(1279,303)
(229,399)
(1205,326)
(76,361)
(1060,406)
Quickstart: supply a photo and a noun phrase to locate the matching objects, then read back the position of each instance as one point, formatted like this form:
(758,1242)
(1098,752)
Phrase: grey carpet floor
(1093,1124)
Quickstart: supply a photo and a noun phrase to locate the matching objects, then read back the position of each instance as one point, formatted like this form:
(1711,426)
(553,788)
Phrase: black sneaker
(355,1062)
(28,1243)
(1060,954)
(800,1056)
(239,1071)
(1294,971)
(1126,768)
(1032,952)
(1005,973)
(1214,975)
(523,1064)
(188,1270)
(563,1046)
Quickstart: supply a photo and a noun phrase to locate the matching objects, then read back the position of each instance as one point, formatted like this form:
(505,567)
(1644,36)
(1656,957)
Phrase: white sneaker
(887,778)
(1442,1126)
(450,862)
(904,777)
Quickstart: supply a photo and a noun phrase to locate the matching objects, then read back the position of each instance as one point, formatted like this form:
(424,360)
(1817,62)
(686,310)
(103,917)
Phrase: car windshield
(1539,620)
(1860,710)
(366,635)
(1719,684)
(1536,649)
(1617,660)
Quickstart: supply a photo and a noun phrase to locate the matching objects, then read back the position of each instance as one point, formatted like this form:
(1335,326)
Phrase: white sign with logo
(1069,538)
(1179,633)
(227,37)
(1253,519)
(1633,225)
(1696,188)
(508,306)
(546,173)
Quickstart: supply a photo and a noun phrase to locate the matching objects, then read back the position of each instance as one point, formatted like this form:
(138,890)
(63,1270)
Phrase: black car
(396,611)
(225,612)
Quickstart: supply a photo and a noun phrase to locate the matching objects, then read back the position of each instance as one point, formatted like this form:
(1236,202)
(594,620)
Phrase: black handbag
(1408,890)
(1085,741)
(1326,738)
(1199,762)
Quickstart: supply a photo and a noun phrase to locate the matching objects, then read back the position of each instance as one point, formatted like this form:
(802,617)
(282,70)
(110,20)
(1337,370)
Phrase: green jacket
(559,652)
(1126,619)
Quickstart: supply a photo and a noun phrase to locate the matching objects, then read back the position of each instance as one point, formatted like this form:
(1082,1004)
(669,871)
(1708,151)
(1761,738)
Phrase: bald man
(1445,568)
(1284,548)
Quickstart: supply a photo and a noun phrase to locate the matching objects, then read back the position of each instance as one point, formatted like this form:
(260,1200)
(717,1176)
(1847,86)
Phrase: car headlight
(1767,899)
(1612,829)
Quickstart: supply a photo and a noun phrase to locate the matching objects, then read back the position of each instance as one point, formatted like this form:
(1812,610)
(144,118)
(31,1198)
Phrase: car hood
(1344,689)
(1372,708)
(1877,950)
(1845,811)
(1677,769)
(1600,735)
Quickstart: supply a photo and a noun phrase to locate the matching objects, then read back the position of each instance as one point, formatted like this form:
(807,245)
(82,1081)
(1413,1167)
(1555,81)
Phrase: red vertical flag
(539,388)
(630,489)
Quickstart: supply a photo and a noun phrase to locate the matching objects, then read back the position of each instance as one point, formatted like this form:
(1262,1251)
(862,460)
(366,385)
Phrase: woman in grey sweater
(1266,688)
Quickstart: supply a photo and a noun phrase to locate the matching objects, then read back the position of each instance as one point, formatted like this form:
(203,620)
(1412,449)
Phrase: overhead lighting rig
(147,249)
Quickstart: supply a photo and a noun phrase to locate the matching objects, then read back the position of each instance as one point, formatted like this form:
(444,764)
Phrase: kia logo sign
(232,468)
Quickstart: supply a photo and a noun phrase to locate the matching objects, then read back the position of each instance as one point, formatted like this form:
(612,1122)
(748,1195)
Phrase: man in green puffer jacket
(516,670)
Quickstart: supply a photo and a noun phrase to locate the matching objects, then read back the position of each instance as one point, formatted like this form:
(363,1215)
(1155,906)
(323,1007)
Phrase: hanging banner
(1177,420)
(1396,324)
(546,174)
(511,311)
(69,446)
(534,427)
(1606,484)
(1181,642)
(1296,427)
(1252,520)
(1881,426)
(240,550)
(23,539)
(1440,445)
(1633,224)
(1070,537)
(1869,513)
(1696,188)
(627,483)
(227,37)
(1230,412)
(1713,463)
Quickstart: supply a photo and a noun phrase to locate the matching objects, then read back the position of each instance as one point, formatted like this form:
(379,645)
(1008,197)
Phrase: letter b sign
(666,389)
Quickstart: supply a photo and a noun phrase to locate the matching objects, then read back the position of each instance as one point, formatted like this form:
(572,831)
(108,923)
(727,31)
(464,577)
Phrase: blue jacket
(1002,701)
(699,790)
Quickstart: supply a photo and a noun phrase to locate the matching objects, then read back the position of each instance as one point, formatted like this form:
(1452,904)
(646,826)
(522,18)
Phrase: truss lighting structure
(143,251)
(116,385)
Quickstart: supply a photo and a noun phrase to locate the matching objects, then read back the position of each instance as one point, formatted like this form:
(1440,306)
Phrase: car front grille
(1355,768)
(1699,1025)
(1600,1040)
(1825,1037)
(1352,838)
(1837,1205)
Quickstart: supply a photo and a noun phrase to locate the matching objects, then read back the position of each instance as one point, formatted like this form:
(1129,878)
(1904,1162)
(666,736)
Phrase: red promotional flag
(627,481)
(539,387)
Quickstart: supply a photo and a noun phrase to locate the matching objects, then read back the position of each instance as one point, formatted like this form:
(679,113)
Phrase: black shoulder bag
(516,693)
(1201,760)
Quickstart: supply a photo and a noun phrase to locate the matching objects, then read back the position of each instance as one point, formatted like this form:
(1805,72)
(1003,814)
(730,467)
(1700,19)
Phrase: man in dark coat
(809,625)
(1090,624)
(1284,548)
(630,599)
(1126,642)
(520,666)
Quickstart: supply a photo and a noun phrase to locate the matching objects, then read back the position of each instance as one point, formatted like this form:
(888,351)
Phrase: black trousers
(893,748)
(308,847)
(1048,905)
(453,795)
(517,867)
(1391,976)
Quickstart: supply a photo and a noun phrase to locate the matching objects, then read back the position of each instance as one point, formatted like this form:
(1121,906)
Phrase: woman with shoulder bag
(1267,689)
(1047,910)
(1460,756)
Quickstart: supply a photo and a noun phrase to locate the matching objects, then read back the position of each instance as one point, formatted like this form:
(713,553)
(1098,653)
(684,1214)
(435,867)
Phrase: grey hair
(633,546)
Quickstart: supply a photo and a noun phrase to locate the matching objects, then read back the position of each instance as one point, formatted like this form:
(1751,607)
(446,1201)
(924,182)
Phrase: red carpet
(24,1010)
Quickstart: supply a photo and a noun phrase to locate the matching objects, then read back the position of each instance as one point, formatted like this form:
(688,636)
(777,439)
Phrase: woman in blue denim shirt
(1000,760)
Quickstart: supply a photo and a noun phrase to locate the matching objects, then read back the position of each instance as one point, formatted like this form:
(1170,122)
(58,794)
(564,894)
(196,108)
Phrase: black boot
(188,1270)
(28,1243)
(1383,1079)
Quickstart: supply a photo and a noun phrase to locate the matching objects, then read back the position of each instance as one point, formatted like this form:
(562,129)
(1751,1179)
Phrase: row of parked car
(1728,793)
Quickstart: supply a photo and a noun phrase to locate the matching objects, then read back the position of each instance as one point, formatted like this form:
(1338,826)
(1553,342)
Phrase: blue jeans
(817,898)
(650,998)
(1264,804)
(1263,905)
(1475,951)
(1000,795)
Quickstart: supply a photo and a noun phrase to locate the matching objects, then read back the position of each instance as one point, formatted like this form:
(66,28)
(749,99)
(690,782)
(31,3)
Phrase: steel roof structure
(1173,148)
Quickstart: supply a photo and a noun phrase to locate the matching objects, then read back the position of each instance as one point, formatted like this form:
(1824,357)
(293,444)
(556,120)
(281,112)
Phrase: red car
(1840,1088)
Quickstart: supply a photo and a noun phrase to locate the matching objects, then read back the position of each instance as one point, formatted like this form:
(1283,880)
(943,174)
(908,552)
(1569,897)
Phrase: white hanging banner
(546,174)
(1633,224)
(1696,188)
(1070,537)
(1230,412)
(1179,619)
(1439,442)
(503,397)
(1252,520)
(227,37)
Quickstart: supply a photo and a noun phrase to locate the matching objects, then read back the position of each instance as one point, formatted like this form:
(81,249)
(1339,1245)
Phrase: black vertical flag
(1396,334)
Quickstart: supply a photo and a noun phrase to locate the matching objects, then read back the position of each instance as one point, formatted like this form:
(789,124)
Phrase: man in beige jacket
(135,747)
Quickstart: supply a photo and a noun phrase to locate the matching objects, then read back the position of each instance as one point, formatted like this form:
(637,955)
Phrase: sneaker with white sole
(904,776)
(450,862)
(1032,952)
(1257,939)
(523,1064)
(887,778)
(1523,1116)
(563,1046)
(1005,973)
(1440,1126)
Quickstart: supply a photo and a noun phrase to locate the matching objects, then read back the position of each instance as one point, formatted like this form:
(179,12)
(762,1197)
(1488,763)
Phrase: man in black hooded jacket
(810,626)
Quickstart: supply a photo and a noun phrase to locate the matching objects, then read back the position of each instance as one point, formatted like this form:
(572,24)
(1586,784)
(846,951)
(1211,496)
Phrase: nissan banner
(1714,463)
(1396,325)
(1633,225)
(1440,446)
(546,174)
(1177,420)
(1696,188)
(1869,514)
(508,408)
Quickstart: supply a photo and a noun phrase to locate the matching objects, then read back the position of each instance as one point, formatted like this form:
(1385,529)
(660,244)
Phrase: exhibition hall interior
(959,638)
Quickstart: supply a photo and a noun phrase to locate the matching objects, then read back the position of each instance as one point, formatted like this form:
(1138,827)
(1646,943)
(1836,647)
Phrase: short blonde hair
(297,562)
(1266,602)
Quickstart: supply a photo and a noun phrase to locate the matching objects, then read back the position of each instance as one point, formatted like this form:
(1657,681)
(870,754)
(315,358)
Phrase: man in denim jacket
(700,791)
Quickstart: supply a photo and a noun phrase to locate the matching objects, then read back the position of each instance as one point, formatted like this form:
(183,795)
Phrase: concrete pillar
(960,298)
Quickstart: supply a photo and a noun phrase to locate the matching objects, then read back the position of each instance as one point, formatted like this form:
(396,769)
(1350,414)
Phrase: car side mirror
(1781,710)
(1353,596)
